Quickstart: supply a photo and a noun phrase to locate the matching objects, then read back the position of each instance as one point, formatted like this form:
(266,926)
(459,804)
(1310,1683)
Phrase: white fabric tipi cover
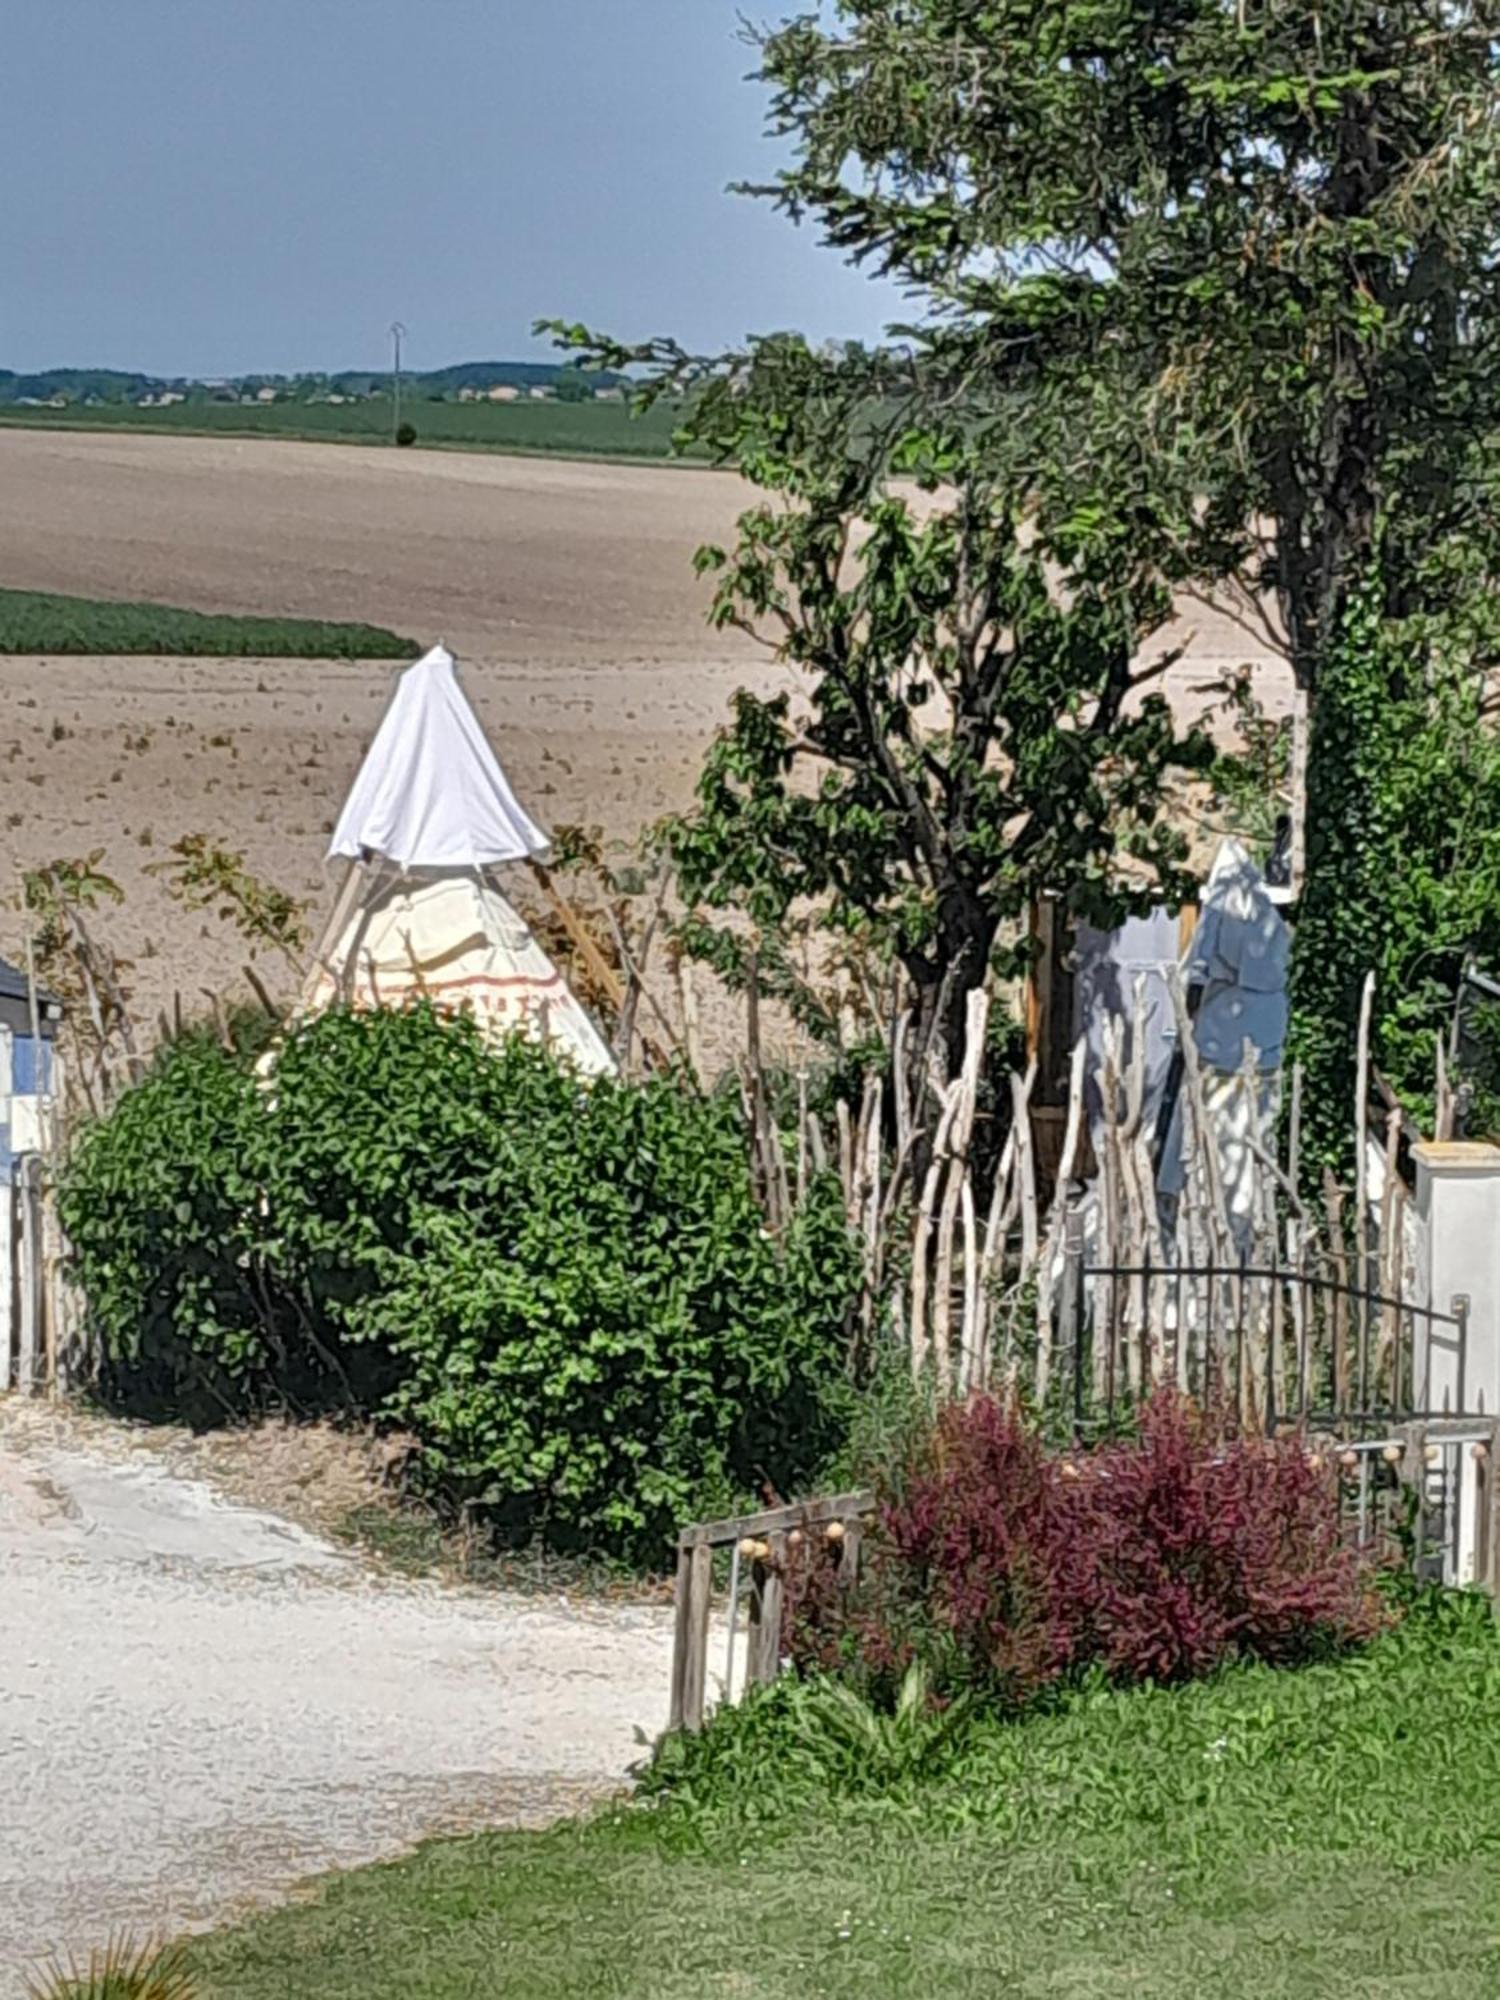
(428,815)
(431,793)
(455,940)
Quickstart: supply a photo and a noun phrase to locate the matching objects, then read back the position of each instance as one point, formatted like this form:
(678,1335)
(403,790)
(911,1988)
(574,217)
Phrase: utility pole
(398,333)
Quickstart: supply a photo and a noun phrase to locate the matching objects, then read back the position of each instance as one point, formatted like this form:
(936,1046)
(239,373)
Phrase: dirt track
(567,590)
(204,1704)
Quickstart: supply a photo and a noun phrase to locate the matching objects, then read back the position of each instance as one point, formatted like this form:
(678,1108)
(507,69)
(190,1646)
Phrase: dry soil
(566,588)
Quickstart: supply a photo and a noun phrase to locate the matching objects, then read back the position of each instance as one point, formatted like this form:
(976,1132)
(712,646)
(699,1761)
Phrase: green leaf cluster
(566,1293)
(963,728)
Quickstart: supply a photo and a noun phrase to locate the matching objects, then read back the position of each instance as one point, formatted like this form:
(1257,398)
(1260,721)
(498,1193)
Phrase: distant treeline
(116,385)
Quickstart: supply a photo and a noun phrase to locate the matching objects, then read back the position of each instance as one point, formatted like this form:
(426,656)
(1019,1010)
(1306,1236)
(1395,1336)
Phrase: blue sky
(215,186)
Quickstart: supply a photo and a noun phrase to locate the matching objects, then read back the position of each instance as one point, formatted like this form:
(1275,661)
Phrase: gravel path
(201,1704)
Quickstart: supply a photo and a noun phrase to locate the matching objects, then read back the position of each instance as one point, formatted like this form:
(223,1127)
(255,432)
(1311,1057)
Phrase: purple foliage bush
(1154,1558)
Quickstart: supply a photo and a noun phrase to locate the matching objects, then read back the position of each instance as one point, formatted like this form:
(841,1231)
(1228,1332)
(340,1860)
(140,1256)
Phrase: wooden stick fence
(969,1279)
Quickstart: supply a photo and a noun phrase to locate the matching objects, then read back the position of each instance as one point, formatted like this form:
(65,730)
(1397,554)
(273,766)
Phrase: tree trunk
(959,964)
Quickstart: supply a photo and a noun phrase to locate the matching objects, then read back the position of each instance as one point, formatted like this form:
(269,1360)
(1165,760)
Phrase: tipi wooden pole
(333,930)
(585,946)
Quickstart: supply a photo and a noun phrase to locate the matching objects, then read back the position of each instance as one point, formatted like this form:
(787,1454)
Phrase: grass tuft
(121,1971)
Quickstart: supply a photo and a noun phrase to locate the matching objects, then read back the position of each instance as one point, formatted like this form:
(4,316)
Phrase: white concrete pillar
(1458,1217)
(1458,1212)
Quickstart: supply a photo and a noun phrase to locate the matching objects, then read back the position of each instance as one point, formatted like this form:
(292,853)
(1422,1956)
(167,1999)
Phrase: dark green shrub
(406,434)
(566,1292)
(159,1203)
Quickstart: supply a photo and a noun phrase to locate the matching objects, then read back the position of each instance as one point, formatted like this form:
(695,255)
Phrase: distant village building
(503,392)
(265,394)
(540,395)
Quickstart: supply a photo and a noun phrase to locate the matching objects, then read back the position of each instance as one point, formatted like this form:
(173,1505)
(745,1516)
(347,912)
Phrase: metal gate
(1380,1383)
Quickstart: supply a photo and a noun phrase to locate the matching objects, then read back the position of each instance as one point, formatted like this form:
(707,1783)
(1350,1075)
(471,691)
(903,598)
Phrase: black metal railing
(1271,1343)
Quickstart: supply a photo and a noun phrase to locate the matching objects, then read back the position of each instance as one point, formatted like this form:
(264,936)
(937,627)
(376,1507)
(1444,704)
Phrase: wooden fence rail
(763,1540)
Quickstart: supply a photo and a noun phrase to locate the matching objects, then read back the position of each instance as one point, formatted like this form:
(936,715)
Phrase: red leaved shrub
(1198,1546)
(965,1567)
(1157,1558)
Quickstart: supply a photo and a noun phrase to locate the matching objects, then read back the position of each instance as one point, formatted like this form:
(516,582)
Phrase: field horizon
(606,431)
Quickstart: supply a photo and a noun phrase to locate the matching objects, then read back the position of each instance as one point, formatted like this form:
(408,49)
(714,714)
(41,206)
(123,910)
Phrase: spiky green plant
(835,1729)
(120,1970)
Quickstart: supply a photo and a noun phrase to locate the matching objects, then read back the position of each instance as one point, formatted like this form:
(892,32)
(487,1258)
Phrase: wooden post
(683,1605)
(697,1603)
(756,1674)
(1058,1222)
(29,1331)
(849,1558)
(1361,1189)
(767,1603)
(956,1184)
(1490,1498)
(772,1605)
(1414,1475)
(1070,1306)
(922,1228)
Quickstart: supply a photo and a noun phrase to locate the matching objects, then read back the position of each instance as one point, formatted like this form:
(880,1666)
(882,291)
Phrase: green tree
(962,736)
(1238,254)
(1213,285)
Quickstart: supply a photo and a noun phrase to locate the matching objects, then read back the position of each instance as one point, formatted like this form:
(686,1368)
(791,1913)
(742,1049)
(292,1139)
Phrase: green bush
(159,1202)
(565,1292)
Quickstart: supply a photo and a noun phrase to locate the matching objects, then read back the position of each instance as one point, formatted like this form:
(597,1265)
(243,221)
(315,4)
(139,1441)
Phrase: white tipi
(428,818)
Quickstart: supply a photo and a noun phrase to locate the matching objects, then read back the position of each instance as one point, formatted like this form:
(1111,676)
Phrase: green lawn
(33,621)
(568,430)
(1274,1835)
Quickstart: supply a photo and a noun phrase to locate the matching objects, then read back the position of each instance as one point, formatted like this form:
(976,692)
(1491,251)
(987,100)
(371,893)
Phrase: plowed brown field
(566,588)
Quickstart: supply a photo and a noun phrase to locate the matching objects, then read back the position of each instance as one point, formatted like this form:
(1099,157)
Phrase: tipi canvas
(428,818)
